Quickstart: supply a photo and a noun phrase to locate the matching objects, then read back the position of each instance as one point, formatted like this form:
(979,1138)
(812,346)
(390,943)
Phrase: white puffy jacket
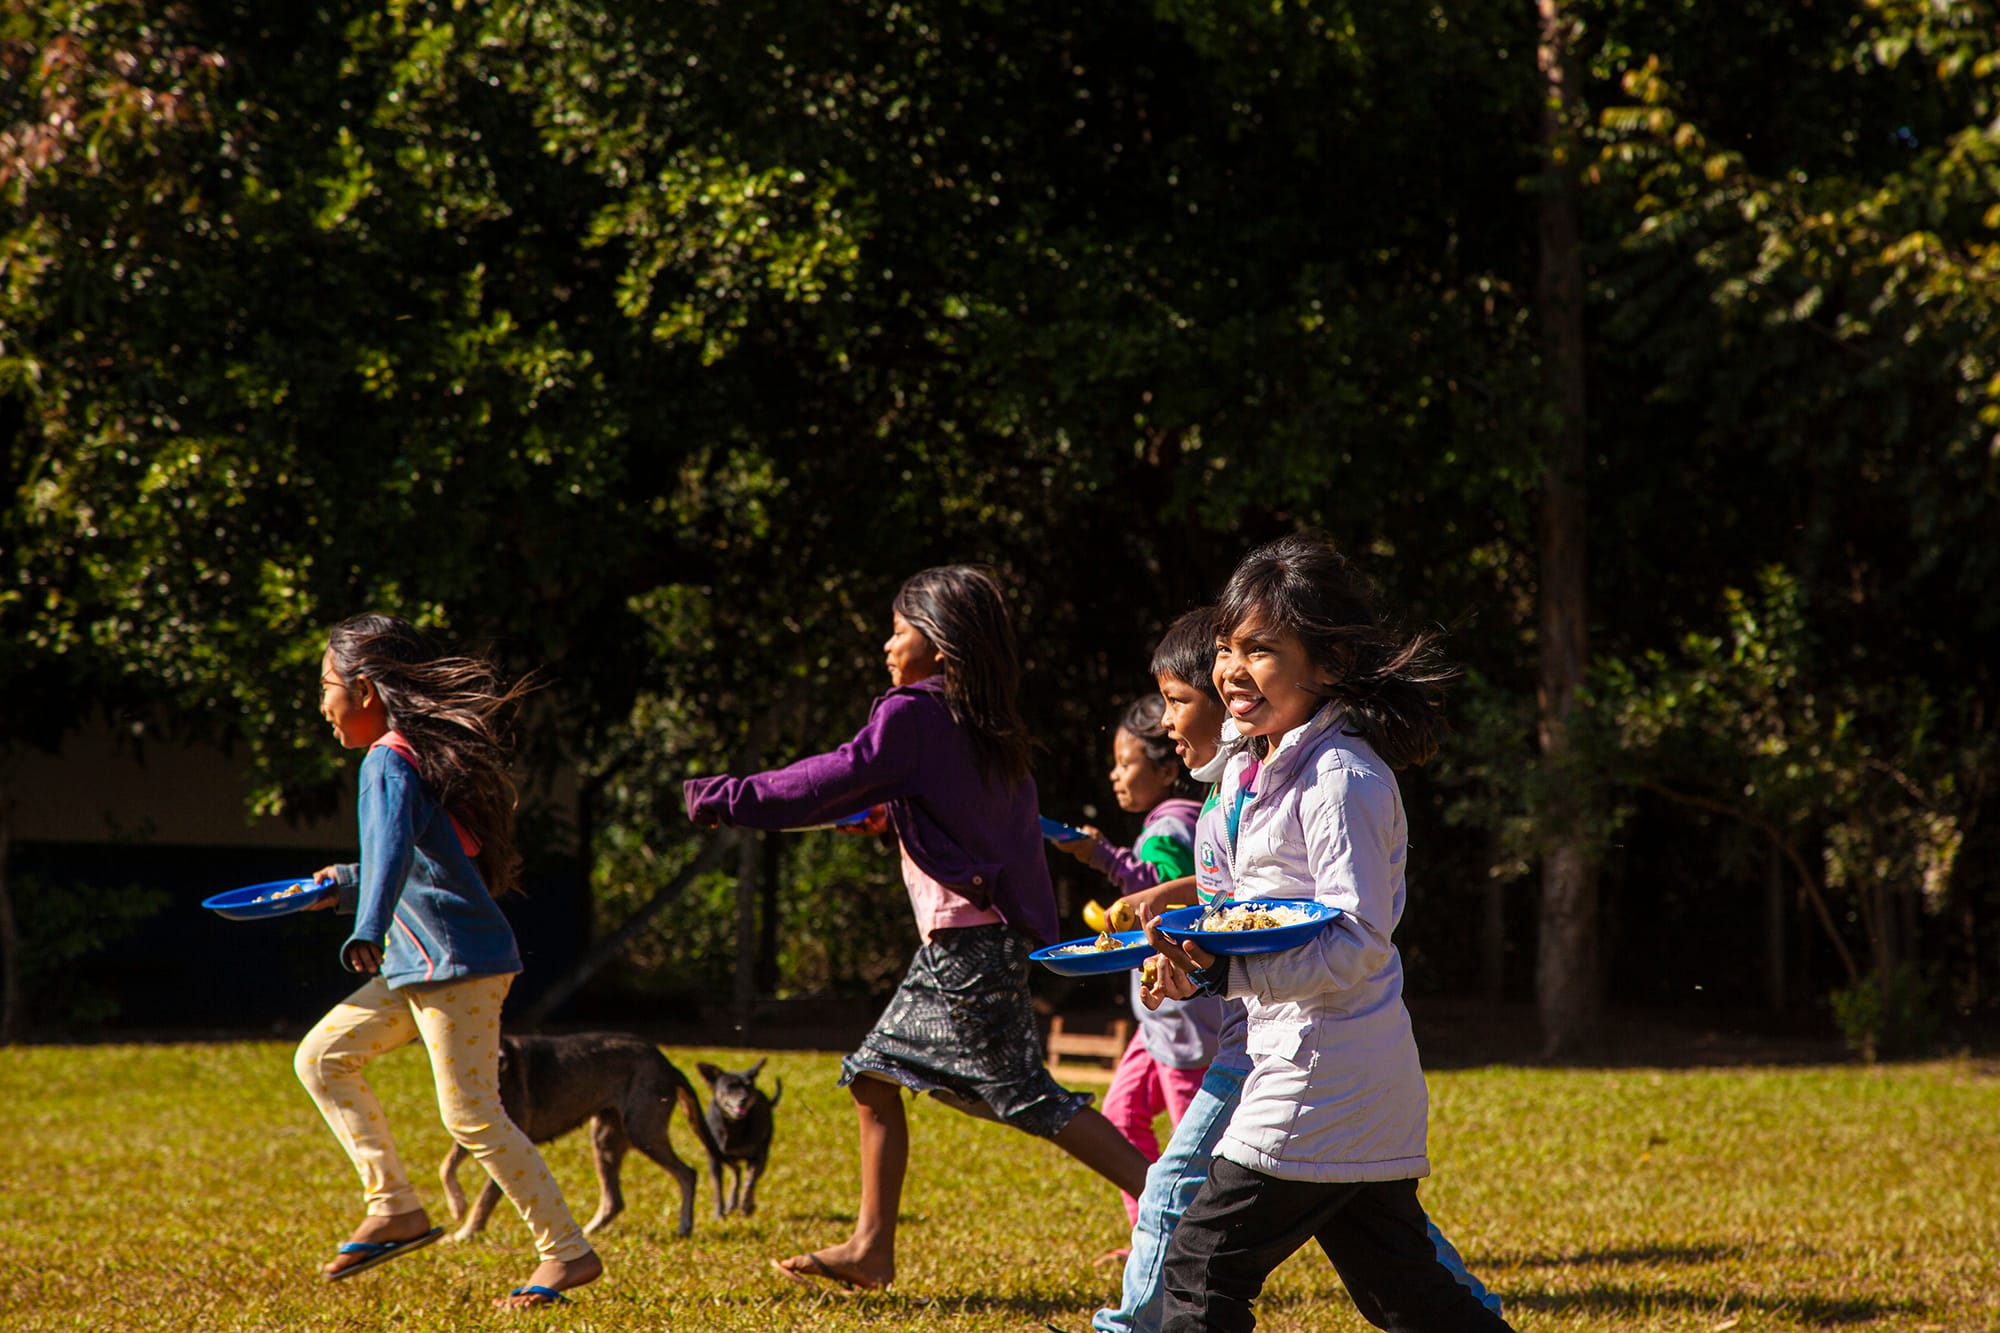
(1335,1091)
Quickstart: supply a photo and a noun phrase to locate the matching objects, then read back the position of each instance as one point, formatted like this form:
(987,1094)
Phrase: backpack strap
(395,740)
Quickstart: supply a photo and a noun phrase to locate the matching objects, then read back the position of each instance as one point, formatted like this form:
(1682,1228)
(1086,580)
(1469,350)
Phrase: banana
(1113,919)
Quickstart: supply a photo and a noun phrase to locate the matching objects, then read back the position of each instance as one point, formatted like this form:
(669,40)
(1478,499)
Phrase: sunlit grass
(193,1187)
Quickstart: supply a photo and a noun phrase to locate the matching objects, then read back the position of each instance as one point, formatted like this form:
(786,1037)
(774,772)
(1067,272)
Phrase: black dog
(739,1120)
(623,1086)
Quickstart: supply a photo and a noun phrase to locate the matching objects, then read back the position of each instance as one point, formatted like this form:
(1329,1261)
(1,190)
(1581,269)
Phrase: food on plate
(1104,943)
(1252,916)
(272,897)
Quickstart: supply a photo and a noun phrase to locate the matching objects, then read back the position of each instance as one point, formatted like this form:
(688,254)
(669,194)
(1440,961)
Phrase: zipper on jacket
(1233,821)
(1258,769)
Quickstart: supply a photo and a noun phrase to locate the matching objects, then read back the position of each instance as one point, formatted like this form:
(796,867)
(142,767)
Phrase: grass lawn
(193,1187)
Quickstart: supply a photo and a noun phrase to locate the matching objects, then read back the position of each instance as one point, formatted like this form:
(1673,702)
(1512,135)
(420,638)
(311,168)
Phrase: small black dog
(739,1120)
(623,1086)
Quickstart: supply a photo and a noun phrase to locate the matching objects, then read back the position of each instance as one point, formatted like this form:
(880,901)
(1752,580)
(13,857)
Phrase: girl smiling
(1329,1140)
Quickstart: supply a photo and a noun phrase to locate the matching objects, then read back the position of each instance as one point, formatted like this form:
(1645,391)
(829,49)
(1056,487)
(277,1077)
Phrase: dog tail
(779,1084)
(691,1108)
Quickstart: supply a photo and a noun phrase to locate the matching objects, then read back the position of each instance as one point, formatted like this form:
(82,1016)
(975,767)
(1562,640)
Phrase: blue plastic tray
(1057,831)
(244,904)
(1181,923)
(1133,951)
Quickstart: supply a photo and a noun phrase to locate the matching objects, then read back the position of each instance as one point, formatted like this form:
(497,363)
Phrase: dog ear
(708,1071)
(752,1072)
(779,1093)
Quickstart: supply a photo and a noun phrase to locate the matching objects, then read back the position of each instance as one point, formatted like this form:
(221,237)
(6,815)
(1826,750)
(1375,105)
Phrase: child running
(1328,1139)
(1196,723)
(947,754)
(1162,1067)
(437,832)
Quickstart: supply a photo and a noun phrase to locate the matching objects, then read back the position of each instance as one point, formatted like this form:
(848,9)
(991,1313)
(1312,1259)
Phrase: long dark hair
(960,609)
(453,710)
(1387,683)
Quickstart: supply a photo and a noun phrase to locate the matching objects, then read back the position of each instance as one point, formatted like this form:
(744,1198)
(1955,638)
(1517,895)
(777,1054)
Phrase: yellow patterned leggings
(459,1024)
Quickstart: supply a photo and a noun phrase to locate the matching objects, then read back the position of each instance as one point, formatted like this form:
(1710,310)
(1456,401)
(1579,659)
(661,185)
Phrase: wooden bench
(1073,1055)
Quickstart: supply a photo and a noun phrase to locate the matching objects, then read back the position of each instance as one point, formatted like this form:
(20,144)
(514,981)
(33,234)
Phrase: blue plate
(1057,831)
(1132,951)
(255,901)
(858,817)
(1183,924)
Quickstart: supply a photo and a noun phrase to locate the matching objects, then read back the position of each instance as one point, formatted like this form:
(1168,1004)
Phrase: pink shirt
(938,908)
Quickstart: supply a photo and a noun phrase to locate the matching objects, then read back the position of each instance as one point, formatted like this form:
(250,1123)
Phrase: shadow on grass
(1609,1299)
(1604,1301)
(1637,1254)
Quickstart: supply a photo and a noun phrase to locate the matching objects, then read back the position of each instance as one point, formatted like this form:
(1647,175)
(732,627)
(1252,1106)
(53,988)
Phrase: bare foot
(846,1266)
(379,1230)
(553,1275)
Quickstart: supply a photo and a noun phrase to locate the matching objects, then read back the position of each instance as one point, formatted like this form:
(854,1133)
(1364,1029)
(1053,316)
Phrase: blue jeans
(1171,1185)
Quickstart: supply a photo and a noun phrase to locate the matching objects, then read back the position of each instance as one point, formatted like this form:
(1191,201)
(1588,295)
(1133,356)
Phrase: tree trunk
(743,994)
(1968,992)
(608,948)
(13,1017)
(1567,987)
(1881,919)
(1493,939)
(1775,990)
(767,917)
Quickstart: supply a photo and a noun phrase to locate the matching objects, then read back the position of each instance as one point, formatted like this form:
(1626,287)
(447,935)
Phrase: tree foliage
(654,344)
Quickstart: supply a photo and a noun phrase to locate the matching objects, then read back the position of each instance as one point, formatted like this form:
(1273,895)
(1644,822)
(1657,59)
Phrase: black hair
(1186,651)
(1387,683)
(453,712)
(960,609)
(1144,719)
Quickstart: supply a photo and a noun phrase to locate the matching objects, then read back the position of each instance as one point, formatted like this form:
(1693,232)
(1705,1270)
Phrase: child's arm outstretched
(880,764)
(1154,861)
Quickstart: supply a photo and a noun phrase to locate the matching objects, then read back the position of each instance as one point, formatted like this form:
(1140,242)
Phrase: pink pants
(1140,1089)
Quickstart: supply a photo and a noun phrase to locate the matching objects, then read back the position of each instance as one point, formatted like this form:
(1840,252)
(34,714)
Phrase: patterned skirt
(961,1027)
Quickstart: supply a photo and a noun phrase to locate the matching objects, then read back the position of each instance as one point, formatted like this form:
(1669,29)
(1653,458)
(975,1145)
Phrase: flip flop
(548,1295)
(827,1279)
(379,1252)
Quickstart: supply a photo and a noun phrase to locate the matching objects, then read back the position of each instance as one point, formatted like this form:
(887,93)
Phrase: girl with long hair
(436,811)
(1329,1138)
(947,755)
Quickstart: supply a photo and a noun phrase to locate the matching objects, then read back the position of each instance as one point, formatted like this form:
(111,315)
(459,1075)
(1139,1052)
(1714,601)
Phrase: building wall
(173,795)
(173,821)
(169,795)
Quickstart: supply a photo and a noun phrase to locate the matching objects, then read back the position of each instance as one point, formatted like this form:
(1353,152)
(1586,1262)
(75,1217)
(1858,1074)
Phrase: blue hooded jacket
(416,891)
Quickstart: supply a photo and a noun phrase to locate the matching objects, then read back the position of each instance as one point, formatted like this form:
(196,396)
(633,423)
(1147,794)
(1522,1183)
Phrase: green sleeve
(1170,857)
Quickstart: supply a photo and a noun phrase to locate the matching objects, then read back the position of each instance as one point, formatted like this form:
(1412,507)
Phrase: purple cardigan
(981,841)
